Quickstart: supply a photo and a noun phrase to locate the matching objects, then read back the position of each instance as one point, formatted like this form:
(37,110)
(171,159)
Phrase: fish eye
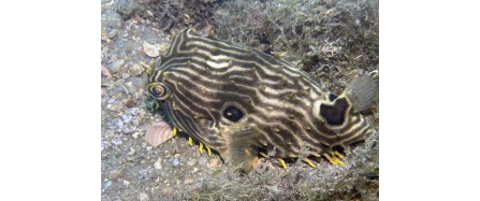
(232,113)
(159,90)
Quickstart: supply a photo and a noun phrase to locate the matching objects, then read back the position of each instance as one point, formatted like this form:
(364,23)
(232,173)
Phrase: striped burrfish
(244,103)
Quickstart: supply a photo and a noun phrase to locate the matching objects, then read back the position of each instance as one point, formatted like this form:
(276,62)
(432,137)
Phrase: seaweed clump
(327,38)
(170,14)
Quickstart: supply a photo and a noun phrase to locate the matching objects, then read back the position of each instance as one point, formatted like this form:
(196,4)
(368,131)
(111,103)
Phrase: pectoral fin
(241,145)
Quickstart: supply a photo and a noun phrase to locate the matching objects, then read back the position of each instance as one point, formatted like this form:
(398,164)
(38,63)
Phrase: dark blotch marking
(335,114)
(268,51)
(332,96)
(338,148)
(232,113)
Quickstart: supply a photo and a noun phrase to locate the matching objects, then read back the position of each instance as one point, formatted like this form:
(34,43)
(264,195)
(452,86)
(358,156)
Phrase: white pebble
(126,118)
(176,162)
(106,185)
(119,124)
(116,141)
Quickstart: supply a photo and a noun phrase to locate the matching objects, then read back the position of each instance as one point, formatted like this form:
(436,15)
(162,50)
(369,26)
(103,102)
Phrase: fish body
(240,101)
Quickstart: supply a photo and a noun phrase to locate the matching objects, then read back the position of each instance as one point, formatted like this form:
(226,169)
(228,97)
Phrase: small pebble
(149,13)
(136,70)
(125,8)
(138,82)
(151,50)
(132,151)
(136,122)
(188,181)
(119,124)
(106,185)
(112,33)
(212,163)
(176,162)
(195,170)
(125,75)
(191,162)
(116,141)
(126,118)
(203,160)
(115,66)
(167,192)
(158,164)
(144,197)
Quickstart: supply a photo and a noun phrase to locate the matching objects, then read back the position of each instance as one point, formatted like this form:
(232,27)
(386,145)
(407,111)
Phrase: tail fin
(362,92)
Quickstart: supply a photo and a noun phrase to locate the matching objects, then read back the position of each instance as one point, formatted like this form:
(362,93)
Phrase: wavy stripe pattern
(207,75)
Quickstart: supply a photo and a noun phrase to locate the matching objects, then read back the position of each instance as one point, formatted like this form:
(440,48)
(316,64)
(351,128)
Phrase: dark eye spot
(232,113)
(335,114)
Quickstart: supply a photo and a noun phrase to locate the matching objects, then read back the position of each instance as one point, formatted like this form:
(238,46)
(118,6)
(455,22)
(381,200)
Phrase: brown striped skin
(282,106)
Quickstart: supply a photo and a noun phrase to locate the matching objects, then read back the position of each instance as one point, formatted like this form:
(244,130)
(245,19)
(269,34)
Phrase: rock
(158,164)
(191,162)
(136,122)
(106,185)
(144,197)
(203,160)
(106,72)
(112,33)
(132,151)
(112,20)
(136,70)
(213,163)
(149,13)
(130,87)
(116,141)
(188,181)
(126,118)
(119,124)
(138,82)
(167,192)
(130,103)
(115,66)
(194,170)
(125,8)
(113,107)
(125,75)
(176,162)
(151,50)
